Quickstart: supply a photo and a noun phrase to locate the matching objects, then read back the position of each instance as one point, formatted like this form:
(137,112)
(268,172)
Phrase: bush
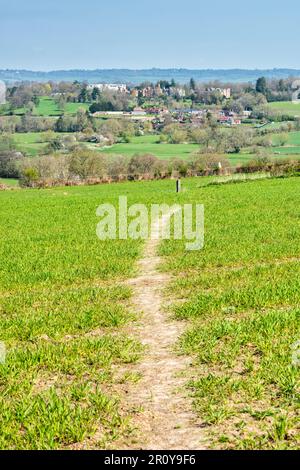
(142,165)
(29,177)
(205,164)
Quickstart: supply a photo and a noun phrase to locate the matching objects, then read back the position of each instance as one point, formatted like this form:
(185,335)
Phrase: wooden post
(178,186)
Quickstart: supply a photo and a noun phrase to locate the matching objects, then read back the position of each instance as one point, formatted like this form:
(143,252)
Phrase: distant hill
(130,76)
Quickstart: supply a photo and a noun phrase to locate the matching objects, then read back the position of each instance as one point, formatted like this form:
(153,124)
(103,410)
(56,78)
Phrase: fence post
(178,186)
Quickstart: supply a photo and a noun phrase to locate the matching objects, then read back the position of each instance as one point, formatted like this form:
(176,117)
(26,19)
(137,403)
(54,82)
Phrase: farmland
(31,143)
(66,314)
(62,311)
(286,107)
(242,303)
(48,107)
(35,143)
(150,144)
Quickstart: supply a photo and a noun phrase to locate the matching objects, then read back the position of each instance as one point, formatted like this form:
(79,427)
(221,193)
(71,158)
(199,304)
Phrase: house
(147,92)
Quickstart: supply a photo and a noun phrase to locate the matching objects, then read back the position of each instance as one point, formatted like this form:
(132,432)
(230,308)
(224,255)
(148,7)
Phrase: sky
(136,34)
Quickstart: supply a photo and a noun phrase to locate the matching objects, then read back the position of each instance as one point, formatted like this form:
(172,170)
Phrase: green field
(31,143)
(240,296)
(48,107)
(9,182)
(149,144)
(62,311)
(66,316)
(286,107)
(292,147)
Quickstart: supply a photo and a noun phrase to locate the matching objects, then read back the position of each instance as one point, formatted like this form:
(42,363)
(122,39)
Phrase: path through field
(165,420)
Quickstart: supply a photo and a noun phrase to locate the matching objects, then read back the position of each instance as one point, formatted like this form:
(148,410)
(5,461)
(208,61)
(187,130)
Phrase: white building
(118,87)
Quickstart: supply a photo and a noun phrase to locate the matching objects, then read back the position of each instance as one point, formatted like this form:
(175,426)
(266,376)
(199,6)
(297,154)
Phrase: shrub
(142,165)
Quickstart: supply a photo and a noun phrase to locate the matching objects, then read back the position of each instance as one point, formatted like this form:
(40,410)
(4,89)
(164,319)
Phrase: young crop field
(240,296)
(63,311)
(67,317)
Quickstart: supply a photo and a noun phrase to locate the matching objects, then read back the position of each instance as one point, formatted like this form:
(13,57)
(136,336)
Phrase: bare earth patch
(162,410)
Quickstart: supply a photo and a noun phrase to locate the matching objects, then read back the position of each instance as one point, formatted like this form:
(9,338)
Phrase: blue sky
(64,34)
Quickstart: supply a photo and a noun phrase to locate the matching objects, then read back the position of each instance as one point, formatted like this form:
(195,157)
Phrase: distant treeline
(137,76)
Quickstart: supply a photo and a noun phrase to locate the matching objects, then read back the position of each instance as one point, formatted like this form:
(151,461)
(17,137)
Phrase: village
(156,112)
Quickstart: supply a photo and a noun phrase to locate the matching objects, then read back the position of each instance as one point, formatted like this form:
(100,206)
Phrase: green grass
(292,147)
(286,107)
(148,144)
(240,296)
(9,181)
(62,310)
(48,107)
(31,143)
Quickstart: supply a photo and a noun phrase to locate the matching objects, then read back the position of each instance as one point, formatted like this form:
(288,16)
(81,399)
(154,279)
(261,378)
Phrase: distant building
(118,87)
(226,92)
(147,92)
(177,91)
(158,91)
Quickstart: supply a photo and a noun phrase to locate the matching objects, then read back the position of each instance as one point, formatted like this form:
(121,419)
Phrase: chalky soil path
(164,416)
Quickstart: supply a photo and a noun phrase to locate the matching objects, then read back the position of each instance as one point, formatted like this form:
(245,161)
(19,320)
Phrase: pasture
(150,144)
(292,147)
(286,107)
(66,314)
(48,107)
(30,143)
(9,182)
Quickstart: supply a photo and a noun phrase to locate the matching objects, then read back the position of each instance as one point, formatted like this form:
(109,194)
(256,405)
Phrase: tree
(261,85)
(192,84)
(83,96)
(95,94)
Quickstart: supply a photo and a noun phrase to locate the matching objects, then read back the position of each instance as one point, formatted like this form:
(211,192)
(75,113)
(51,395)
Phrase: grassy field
(292,147)
(48,107)
(65,314)
(62,310)
(240,296)
(286,107)
(9,181)
(149,144)
(31,143)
